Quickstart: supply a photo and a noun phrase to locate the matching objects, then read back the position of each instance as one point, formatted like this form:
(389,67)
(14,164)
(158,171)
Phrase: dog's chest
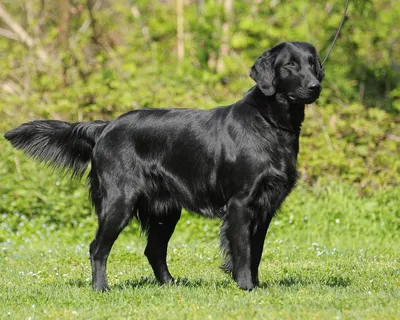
(277,173)
(279,153)
(280,170)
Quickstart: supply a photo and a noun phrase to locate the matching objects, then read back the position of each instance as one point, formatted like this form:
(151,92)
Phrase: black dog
(236,162)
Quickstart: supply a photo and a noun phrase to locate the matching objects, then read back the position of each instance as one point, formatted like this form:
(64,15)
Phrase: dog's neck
(277,111)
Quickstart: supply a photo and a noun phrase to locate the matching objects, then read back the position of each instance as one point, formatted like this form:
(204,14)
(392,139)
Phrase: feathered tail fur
(64,145)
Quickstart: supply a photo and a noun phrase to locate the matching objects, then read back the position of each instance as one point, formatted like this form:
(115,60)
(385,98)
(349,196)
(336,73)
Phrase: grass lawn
(330,254)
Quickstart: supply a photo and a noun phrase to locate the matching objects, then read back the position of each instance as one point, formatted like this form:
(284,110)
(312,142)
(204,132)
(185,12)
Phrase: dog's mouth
(303,99)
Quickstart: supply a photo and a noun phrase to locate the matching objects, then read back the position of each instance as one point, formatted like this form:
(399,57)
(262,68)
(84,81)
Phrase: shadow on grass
(298,281)
(79,283)
(288,281)
(337,281)
(180,282)
(152,282)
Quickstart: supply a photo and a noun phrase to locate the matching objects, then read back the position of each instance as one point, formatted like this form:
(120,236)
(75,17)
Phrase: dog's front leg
(239,237)
(259,230)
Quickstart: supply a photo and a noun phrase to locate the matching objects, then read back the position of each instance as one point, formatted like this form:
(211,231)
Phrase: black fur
(237,163)
(65,145)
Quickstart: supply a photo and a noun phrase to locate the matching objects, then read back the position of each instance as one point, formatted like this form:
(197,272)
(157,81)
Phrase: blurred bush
(90,59)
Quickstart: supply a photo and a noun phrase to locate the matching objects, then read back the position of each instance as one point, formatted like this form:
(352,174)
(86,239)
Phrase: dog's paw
(101,287)
(167,281)
(245,284)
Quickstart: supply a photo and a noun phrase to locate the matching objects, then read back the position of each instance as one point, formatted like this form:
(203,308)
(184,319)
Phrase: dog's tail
(64,145)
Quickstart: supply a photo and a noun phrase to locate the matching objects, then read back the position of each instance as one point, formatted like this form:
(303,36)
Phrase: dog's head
(292,69)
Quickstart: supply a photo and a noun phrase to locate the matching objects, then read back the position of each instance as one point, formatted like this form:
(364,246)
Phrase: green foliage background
(124,57)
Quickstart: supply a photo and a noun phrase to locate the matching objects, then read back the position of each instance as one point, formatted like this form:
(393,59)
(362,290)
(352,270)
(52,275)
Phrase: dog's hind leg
(116,210)
(159,230)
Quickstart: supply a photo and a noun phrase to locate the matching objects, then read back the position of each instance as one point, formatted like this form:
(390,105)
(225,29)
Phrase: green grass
(330,254)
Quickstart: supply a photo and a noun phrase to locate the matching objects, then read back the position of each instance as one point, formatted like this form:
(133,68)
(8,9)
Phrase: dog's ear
(263,73)
(320,70)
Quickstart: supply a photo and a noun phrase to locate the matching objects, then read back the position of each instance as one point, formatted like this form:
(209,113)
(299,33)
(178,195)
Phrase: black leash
(337,32)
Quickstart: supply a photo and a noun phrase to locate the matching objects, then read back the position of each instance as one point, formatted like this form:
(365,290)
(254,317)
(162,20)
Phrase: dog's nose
(314,87)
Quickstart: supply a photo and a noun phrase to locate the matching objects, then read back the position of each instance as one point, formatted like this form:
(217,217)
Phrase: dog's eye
(291,63)
(312,63)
